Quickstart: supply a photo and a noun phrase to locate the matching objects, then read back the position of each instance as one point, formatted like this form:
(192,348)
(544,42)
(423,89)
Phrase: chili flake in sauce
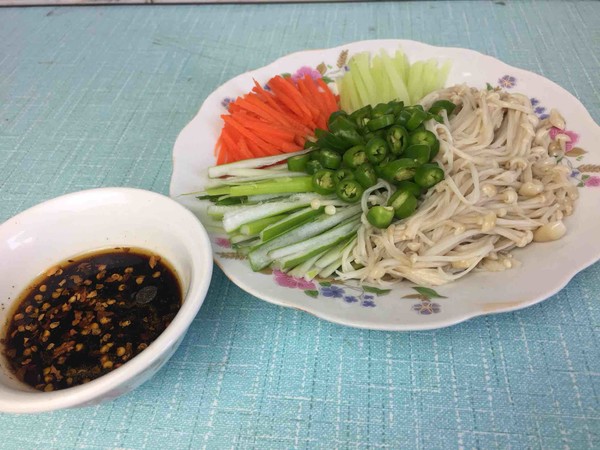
(90,315)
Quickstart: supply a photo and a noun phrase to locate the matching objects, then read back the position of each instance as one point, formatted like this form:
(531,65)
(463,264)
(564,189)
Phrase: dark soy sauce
(88,316)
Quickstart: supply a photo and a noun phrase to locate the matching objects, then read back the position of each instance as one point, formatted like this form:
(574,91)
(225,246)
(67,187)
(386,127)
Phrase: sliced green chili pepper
(349,191)
(382,109)
(328,140)
(298,163)
(380,122)
(410,187)
(428,175)
(403,116)
(396,107)
(309,144)
(343,174)
(345,130)
(365,175)
(418,152)
(355,156)
(340,122)
(416,118)
(403,202)
(397,138)
(333,116)
(377,150)
(329,159)
(361,116)
(442,104)
(399,170)
(313,166)
(380,216)
(323,181)
(425,137)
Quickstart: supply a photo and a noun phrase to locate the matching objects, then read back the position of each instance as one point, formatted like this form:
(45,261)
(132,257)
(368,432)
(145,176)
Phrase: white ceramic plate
(546,267)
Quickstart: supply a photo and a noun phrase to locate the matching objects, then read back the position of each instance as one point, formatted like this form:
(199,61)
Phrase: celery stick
(315,245)
(402,65)
(235,219)
(354,98)
(396,80)
(382,93)
(255,227)
(429,79)
(361,88)
(344,95)
(288,222)
(259,256)
(443,74)
(415,82)
(363,65)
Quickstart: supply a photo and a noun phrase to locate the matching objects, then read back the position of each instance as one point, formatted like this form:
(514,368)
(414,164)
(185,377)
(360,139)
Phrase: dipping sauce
(90,315)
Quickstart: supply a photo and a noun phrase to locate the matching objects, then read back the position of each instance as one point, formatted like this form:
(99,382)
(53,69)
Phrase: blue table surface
(95,96)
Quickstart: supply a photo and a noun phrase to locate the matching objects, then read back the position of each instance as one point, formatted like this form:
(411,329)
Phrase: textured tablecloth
(95,96)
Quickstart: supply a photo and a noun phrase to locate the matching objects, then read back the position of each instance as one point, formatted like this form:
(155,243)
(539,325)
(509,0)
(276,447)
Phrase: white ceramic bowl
(66,226)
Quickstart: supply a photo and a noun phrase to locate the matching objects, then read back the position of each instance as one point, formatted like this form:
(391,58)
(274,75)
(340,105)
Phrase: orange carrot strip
(264,127)
(329,97)
(301,99)
(258,142)
(254,105)
(316,94)
(243,151)
(289,96)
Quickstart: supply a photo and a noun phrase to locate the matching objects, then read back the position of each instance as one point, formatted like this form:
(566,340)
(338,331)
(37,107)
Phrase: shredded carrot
(274,119)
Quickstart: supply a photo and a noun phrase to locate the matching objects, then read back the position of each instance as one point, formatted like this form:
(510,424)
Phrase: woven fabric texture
(95,96)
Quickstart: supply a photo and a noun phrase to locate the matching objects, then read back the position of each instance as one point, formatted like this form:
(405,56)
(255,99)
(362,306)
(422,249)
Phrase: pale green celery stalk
(341,83)
(430,73)
(298,253)
(363,64)
(235,219)
(382,81)
(301,270)
(359,83)
(289,222)
(402,65)
(415,82)
(256,226)
(259,257)
(443,74)
(255,163)
(395,78)
(352,94)
(334,253)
